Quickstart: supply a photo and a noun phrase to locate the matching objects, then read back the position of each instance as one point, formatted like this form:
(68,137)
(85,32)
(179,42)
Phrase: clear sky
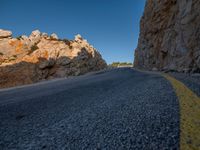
(111,26)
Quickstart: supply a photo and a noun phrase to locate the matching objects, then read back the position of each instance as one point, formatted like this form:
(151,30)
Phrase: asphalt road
(115,109)
(190,80)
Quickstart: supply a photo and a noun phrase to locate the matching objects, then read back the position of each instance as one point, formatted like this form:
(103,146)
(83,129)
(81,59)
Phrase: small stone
(154,69)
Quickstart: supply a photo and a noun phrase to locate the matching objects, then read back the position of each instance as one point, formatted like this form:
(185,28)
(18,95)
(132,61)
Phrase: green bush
(66,41)
(116,64)
(19,37)
(33,48)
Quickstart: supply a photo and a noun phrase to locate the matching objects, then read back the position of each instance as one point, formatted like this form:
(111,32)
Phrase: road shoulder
(189,115)
(189,104)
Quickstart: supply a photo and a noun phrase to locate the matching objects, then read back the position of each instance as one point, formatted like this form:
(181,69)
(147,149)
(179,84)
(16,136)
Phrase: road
(116,109)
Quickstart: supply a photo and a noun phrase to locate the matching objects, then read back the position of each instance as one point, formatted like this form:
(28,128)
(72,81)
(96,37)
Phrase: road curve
(115,109)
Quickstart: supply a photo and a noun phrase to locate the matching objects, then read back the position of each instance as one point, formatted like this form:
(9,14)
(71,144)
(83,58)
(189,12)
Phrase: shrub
(19,37)
(33,48)
(116,64)
(66,41)
(12,58)
(1,54)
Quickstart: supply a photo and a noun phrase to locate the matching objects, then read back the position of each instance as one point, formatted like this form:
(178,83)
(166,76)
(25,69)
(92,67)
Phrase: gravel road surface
(116,109)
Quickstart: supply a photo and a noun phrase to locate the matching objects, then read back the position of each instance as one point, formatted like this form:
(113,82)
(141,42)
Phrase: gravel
(116,109)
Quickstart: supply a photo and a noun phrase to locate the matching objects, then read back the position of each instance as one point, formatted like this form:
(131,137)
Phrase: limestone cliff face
(26,60)
(169,36)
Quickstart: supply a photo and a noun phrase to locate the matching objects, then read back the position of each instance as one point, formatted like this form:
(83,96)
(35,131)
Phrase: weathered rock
(24,37)
(40,57)
(44,34)
(78,38)
(63,61)
(54,36)
(35,37)
(35,33)
(169,36)
(47,63)
(5,33)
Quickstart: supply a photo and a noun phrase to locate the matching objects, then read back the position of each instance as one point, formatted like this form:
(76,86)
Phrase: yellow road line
(189,104)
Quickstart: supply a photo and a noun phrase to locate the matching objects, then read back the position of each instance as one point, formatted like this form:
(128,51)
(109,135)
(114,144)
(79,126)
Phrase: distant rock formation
(25,60)
(5,33)
(169,36)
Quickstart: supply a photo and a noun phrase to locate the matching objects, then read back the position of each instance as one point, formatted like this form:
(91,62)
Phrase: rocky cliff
(169,36)
(25,60)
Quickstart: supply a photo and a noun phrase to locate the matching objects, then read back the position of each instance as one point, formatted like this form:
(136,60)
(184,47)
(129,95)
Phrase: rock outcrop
(25,60)
(169,36)
(5,33)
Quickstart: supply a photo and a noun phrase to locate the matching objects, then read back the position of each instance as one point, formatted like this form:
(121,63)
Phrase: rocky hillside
(169,36)
(25,60)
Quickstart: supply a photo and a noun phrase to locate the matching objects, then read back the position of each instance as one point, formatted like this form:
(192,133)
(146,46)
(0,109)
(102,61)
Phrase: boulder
(78,38)
(35,37)
(44,34)
(54,36)
(35,33)
(5,33)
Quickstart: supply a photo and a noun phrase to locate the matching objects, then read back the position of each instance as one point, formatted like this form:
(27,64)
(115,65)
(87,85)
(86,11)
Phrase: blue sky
(111,26)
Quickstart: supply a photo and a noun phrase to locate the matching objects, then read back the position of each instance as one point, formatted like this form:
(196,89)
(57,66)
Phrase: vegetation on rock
(118,64)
